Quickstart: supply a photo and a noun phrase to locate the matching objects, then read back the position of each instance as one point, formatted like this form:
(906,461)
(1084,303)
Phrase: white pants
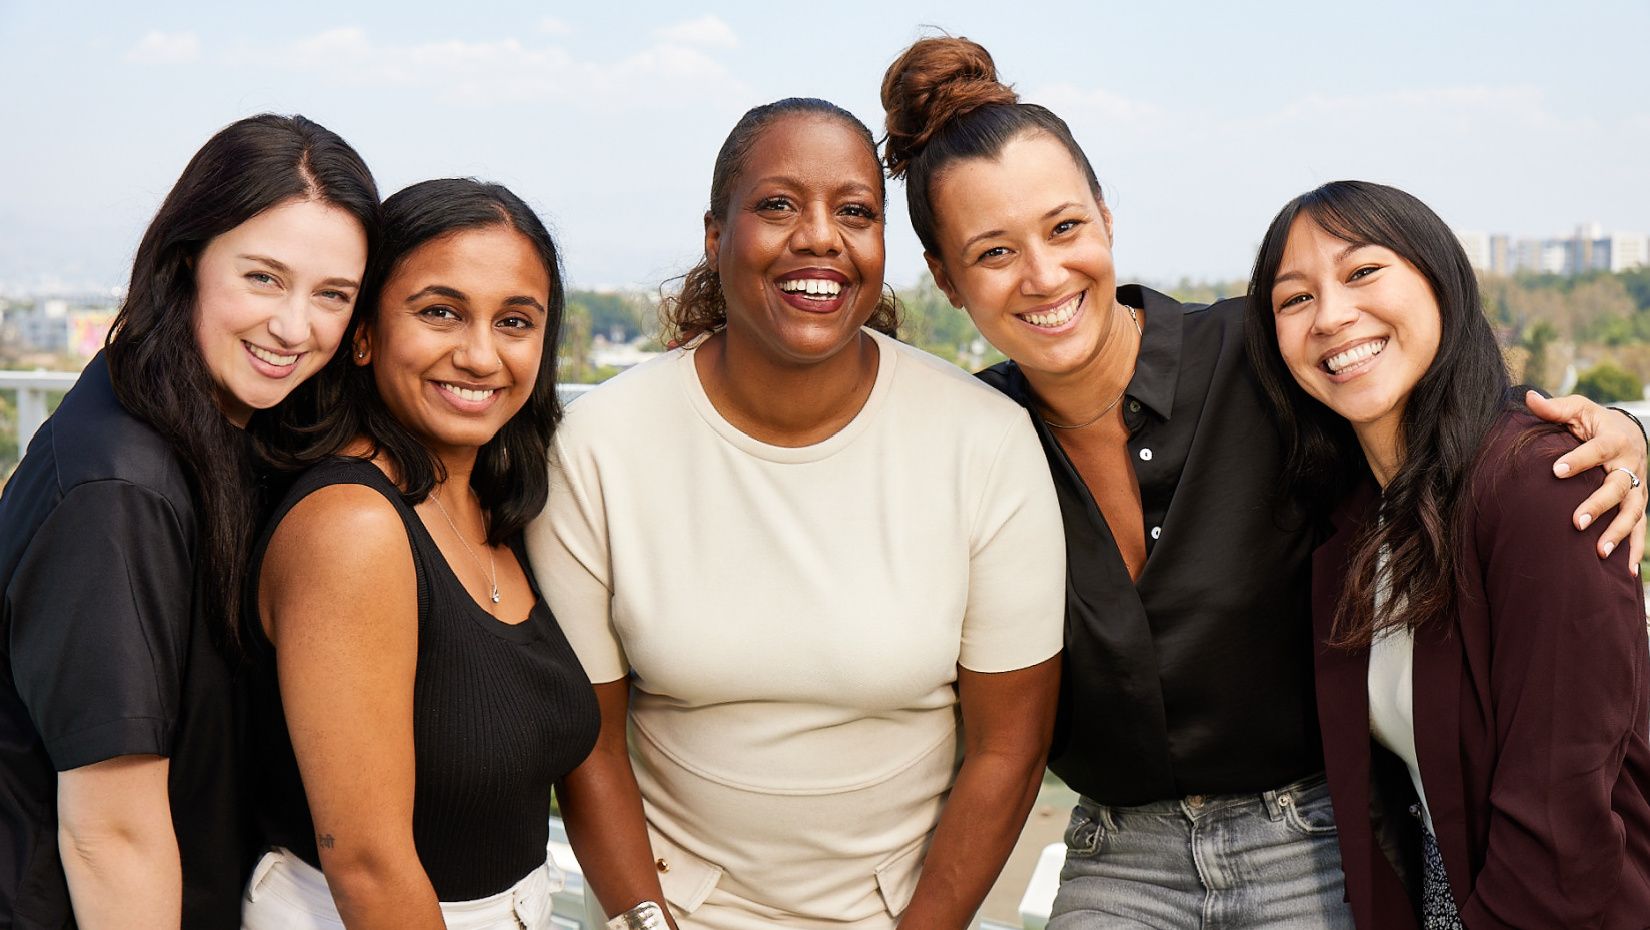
(287,893)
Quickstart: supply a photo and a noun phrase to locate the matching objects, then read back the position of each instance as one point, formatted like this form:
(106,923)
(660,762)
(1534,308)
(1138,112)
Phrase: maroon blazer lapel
(1377,896)
(1438,697)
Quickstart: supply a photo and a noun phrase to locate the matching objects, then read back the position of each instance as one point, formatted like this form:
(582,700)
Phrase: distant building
(1589,248)
(57,326)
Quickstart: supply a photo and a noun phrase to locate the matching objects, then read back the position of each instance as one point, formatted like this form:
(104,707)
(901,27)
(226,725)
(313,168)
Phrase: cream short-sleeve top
(793,618)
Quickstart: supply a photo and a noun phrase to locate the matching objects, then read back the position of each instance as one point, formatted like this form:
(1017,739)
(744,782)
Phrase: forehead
(1031,174)
(812,147)
(486,255)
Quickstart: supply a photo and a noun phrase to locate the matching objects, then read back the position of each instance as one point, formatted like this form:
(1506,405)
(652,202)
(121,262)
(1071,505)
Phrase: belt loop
(1274,807)
(266,863)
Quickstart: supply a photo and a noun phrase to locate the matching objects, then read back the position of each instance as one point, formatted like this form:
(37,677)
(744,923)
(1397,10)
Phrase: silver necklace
(492,560)
(1134,317)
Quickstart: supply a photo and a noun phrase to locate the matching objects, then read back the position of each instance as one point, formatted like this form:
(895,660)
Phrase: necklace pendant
(494,595)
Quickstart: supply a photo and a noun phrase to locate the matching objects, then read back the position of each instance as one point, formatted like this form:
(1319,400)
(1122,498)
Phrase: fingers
(1628,523)
(1590,454)
(1568,410)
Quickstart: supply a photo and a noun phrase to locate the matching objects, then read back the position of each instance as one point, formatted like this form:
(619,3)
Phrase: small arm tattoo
(323,840)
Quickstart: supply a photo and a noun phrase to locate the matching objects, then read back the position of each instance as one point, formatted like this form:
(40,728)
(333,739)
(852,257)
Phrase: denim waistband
(1197,805)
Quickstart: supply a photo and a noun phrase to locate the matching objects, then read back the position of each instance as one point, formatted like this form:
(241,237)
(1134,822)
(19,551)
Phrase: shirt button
(1145,455)
(1134,406)
(1157,532)
(661,865)
(1194,801)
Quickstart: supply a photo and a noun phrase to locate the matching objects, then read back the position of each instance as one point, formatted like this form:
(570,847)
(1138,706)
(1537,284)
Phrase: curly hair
(699,306)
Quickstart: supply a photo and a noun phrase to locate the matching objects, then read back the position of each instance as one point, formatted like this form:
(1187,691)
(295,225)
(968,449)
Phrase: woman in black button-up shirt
(124,532)
(1187,717)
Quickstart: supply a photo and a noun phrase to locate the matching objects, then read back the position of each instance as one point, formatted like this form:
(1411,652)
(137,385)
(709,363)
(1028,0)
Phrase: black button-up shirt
(1198,678)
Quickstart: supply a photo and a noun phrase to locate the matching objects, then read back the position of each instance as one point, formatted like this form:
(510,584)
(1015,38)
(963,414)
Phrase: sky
(1201,119)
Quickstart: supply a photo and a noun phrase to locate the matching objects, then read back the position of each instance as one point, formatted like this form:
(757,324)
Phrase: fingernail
(1608,548)
(1634,568)
(1584,520)
(1561,469)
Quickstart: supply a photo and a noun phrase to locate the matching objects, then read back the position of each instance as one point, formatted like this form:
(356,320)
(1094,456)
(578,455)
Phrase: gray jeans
(1229,861)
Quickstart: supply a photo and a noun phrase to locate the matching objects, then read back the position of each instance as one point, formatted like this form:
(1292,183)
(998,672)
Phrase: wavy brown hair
(944,103)
(699,306)
(1446,419)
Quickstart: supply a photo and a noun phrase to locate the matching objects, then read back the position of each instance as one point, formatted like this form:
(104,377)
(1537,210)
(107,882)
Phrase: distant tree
(573,356)
(1536,339)
(1608,384)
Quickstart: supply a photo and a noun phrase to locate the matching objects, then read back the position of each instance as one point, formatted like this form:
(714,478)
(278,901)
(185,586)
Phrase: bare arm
(1008,722)
(602,808)
(338,597)
(114,831)
(1613,441)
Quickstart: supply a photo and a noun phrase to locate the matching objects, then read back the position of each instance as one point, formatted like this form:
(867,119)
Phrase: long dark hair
(154,357)
(699,305)
(944,104)
(1444,424)
(511,475)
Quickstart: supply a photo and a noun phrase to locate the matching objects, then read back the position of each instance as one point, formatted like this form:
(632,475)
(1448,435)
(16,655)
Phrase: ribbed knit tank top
(501,712)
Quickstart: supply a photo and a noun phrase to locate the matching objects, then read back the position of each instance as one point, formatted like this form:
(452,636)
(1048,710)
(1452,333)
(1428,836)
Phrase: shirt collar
(1157,368)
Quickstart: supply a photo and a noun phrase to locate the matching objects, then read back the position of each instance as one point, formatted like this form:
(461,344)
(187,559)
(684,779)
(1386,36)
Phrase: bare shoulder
(344,544)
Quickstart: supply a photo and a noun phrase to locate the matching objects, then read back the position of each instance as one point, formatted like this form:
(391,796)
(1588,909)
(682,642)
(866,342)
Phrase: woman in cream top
(796,621)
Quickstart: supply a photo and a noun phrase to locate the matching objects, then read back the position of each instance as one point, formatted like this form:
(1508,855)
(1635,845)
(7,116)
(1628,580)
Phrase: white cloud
(165,48)
(709,31)
(552,26)
(508,71)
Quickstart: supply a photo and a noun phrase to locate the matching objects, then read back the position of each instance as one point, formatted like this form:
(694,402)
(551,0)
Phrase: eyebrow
(1339,257)
(990,233)
(442,290)
(782,180)
(283,268)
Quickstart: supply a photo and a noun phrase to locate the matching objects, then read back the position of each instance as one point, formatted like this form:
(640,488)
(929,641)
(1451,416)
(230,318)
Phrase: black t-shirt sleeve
(100,624)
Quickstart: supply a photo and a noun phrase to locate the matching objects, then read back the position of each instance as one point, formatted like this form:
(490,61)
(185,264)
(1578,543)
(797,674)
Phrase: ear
(713,239)
(1105,217)
(942,280)
(361,347)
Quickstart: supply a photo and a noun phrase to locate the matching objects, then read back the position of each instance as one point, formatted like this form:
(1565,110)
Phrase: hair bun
(935,81)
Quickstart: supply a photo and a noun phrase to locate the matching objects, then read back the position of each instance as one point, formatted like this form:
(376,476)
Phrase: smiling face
(459,336)
(1026,250)
(1357,325)
(272,299)
(800,252)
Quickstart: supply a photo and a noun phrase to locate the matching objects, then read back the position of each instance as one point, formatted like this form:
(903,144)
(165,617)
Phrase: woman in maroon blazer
(1481,674)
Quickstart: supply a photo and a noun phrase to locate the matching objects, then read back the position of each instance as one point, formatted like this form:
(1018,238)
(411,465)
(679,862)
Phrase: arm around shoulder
(338,598)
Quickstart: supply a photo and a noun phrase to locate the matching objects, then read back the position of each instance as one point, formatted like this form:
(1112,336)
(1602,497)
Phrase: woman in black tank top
(414,700)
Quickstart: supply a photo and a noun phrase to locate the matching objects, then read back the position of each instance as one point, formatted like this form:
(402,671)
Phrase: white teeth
(1335,363)
(814,287)
(1059,316)
(467,394)
(270,357)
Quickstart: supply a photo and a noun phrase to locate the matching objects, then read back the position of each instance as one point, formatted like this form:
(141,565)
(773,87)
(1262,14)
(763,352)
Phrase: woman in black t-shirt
(416,699)
(124,534)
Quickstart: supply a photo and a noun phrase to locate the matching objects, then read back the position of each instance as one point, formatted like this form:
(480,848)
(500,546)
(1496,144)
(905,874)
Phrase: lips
(269,363)
(1056,316)
(465,397)
(813,290)
(1349,360)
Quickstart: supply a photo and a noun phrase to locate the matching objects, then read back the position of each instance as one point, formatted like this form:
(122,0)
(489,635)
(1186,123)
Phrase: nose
(815,233)
(477,351)
(1333,312)
(291,323)
(1041,272)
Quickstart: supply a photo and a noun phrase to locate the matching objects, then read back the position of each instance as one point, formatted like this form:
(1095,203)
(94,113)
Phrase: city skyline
(1200,121)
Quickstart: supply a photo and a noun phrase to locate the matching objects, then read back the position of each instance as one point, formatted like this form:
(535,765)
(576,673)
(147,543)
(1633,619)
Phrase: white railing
(34,387)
